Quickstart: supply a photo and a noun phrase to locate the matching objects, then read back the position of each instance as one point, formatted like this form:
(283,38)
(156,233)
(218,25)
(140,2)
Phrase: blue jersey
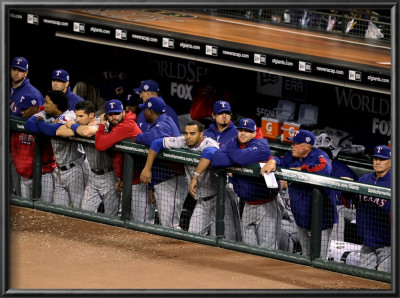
(250,189)
(164,126)
(73,99)
(143,125)
(373,214)
(221,137)
(15,95)
(317,162)
(340,169)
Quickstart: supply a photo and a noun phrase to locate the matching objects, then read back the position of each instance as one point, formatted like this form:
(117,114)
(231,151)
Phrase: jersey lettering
(377,201)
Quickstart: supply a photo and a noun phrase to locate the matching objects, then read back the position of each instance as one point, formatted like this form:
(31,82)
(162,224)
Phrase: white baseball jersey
(98,160)
(207,184)
(64,151)
(69,184)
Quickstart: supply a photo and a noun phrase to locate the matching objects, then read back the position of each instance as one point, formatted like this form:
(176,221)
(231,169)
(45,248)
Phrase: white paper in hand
(270,179)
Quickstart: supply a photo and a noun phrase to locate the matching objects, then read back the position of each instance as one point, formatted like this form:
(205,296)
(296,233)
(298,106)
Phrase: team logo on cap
(149,105)
(308,139)
(33,101)
(379,149)
(146,87)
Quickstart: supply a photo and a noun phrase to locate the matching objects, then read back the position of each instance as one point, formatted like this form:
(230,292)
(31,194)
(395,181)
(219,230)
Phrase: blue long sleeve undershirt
(47,128)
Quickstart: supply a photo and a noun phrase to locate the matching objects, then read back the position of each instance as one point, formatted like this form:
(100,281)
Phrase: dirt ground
(49,251)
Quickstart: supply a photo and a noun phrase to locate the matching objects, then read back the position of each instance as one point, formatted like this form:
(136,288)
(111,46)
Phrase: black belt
(102,171)
(205,199)
(67,167)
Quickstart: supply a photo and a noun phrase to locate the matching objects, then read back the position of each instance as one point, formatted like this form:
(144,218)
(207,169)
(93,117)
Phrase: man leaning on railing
(374,214)
(305,157)
(261,219)
(203,182)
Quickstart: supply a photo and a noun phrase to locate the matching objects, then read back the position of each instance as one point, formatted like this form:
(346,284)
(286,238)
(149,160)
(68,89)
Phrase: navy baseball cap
(303,136)
(382,151)
(148,85)
(21,63)
(132,100)
(154,103)
(247,123)
(114,106)
(221,106)
(26,101)
(60,74)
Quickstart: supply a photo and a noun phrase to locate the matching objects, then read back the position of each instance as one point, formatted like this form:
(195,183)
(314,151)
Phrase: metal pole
(316,223)
(127,186)
(220,212)
(37,169)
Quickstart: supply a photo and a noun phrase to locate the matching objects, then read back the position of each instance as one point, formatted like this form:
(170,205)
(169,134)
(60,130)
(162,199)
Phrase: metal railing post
(316,223)
(37,169)
(127,186)
(220,212)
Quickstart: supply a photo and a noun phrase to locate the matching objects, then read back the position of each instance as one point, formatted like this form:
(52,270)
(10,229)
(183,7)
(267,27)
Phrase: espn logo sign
(211,50)
(79,27)
(355,75)
(168,43)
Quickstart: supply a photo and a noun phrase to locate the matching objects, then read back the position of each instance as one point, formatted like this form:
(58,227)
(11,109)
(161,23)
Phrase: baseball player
(304,157)
(223,130)
(203,181)
(71,173)
(101,181)
(166,176)
(374,214)
(117,125)
(60,82)
(341,170)
(22,151)
(147,89)
(20,85)
(261,219)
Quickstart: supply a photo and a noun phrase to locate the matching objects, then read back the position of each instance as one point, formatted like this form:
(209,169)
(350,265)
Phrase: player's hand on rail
(193,187)
(152,196)
(269,167)
(119,185)
(145,176)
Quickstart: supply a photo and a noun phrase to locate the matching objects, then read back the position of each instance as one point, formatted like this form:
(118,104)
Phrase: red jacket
(124,130)
(22,151)
(127,129)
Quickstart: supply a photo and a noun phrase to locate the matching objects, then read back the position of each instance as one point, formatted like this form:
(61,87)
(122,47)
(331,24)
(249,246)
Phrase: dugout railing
(132,150)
